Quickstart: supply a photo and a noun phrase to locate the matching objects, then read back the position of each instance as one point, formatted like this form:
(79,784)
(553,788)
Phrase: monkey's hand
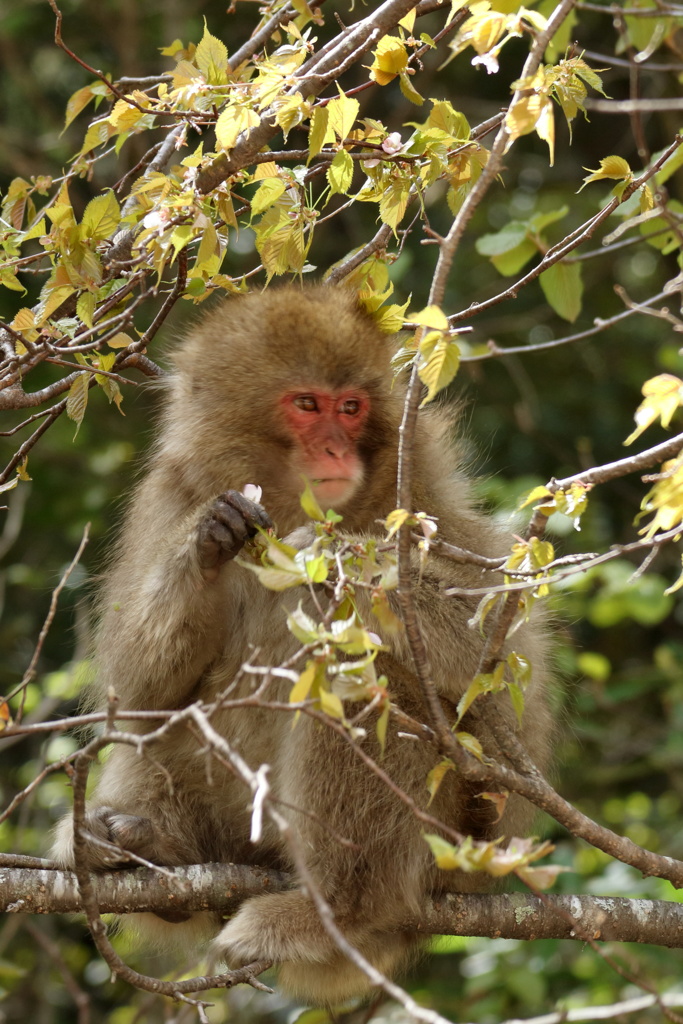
(230,521)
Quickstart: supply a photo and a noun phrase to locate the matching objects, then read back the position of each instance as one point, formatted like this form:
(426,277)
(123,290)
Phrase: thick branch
(350,47)
(222,887)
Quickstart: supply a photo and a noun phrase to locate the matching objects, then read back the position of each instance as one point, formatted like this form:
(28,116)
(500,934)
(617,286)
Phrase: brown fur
(169,635)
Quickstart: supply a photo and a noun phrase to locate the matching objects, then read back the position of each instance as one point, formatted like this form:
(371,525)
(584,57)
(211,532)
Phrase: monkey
(272,389)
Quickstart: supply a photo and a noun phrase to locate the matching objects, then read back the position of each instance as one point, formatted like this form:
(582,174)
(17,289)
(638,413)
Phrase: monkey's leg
(372,883)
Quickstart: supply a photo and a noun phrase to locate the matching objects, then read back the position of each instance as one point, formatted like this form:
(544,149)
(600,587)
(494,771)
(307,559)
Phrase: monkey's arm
(172,602)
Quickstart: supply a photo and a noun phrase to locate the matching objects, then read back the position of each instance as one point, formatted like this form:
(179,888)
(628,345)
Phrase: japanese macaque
(270,389)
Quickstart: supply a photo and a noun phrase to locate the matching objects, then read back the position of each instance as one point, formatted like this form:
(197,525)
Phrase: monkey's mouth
(334,490)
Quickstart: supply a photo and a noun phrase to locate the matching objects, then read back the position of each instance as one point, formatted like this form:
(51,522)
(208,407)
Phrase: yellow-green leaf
(343,112)
(77,399)
(268,193)
(663,395)
(394,201)
(409,90)
(391,59)
(302,687)
(340,173)
(445,855)
(52,300)
(85,307)
(381,728)
(437,775)
(471,744)
(384,613)
(232,122)
(331,704)
(540,494)
(77,102)
(614,167)
(395,521)
(101,217)
(211,57)
(430,316)
(310,505)
(440,359)
(320,132)
(120,340)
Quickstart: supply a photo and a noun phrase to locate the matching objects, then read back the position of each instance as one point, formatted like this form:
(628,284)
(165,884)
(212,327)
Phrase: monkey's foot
(286,928)
(282,926)
(114,837)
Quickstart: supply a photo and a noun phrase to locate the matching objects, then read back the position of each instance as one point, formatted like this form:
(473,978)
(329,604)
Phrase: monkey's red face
(326,427)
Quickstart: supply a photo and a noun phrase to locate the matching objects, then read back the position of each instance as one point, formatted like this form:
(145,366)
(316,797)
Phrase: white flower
(253,492)
(489,61)
(154,220)
(393,143)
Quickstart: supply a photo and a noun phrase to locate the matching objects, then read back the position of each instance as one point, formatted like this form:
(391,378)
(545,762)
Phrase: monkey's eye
(306,403)
(351,407)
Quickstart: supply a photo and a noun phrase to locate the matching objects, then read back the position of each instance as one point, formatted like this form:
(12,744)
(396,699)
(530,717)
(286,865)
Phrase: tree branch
(223,887)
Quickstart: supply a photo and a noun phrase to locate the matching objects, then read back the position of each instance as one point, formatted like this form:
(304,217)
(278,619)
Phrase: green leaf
(668,168)
(505,240)
(511,262)
(563,288)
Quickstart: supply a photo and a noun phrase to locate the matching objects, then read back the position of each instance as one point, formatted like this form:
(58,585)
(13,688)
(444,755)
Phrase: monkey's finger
(227,526)
(254,514)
